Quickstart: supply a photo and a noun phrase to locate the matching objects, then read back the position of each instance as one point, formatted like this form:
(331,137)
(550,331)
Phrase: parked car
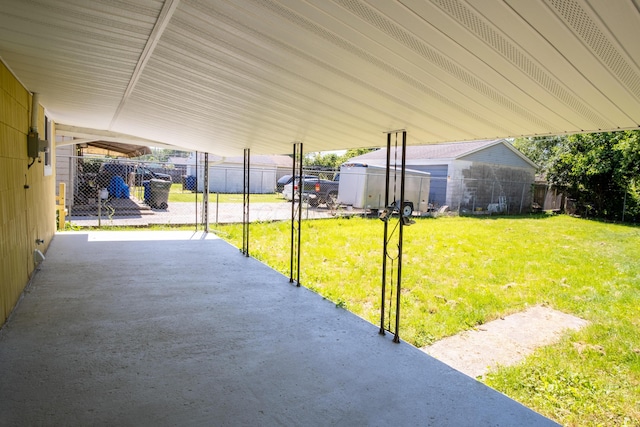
(282,181)
(288,190)
(287,179)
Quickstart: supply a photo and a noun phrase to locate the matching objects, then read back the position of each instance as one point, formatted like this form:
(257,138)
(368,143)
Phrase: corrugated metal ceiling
(224,75)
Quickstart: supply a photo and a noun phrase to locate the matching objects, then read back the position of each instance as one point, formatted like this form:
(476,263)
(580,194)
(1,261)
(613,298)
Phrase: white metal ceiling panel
(550,71)
(504,66)
(78,55)
(427,33)
(392,69)
(585,43)
(225,75)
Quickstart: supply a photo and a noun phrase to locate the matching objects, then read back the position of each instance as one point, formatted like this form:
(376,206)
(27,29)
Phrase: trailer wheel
(407,209)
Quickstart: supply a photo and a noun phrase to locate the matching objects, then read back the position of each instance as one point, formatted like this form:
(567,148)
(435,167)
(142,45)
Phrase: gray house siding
(438,183)
(499,155)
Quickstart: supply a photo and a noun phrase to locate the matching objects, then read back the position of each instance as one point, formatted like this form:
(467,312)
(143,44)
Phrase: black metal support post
(400,205)
(296,214)
(245,203)
(385,241)
(393,208)
(196,191)
(205,194)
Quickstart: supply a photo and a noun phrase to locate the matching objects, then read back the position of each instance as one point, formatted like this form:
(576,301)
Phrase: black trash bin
(158,193)
(147,192)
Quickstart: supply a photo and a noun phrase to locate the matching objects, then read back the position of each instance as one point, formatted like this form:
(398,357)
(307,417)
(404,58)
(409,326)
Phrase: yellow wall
(26,214)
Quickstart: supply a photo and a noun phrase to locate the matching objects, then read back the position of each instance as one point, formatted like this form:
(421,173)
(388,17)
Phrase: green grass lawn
(459,273)
(177,194)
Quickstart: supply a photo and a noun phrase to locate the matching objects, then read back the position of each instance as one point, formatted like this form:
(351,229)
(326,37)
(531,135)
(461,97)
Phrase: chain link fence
(482,196)
(135,193)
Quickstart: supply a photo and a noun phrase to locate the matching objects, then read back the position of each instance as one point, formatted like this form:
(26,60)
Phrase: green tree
(332,160)
(325,161)
(540,150)
(356,152)
(601,170)
(163,154)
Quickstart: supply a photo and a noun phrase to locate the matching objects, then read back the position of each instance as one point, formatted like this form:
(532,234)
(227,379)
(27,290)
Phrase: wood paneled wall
(27,196)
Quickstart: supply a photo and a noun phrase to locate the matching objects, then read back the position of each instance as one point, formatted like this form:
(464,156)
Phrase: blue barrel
(118,189)
(190,183)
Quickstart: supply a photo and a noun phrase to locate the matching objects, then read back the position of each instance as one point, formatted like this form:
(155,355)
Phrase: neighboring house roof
(280,160)
(444,152)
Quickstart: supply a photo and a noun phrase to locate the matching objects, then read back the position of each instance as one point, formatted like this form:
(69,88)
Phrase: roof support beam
(168,9)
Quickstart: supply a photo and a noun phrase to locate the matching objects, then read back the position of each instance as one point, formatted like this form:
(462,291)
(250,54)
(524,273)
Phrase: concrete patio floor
(179,329)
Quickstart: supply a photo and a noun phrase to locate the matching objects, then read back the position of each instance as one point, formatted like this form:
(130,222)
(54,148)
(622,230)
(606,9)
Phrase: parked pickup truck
(315,191)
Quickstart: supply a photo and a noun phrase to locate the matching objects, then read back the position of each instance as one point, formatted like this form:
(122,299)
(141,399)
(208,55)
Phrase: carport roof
(224,75)
(116,148)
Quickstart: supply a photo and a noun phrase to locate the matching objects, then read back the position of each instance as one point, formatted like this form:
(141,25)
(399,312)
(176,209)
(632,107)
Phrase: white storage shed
(226,174)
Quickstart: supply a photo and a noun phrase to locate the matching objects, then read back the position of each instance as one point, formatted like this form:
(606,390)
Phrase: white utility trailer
(362,186)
